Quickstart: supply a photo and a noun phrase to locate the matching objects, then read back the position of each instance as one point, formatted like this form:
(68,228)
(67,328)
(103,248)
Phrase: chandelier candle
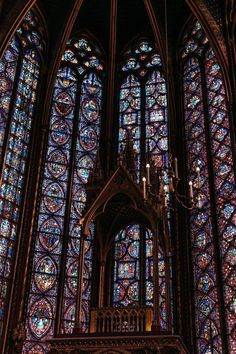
(148,174)
(198,176)
(190,189)
(144,188)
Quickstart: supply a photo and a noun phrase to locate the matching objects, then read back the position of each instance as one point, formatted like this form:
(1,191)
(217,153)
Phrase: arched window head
(72,147)
(143,105)
(19,78)
(133,270)
(208,146)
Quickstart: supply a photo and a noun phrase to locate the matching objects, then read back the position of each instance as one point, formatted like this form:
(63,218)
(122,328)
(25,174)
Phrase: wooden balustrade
(118,320)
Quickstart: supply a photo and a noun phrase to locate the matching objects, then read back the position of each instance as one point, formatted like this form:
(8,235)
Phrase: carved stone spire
(95,180)
(97,175)
(130,158)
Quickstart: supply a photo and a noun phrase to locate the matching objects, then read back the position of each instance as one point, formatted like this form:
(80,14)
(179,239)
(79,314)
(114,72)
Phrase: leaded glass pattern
(126,287)
(19,76)
(133,256)
(208,120)
(143,105)
(73,143)
(156,119)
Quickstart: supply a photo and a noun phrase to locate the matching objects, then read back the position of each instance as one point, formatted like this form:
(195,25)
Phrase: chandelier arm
(183,204)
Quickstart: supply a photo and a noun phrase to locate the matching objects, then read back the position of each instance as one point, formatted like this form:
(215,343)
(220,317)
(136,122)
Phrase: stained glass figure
(19,77)
(73,142)
(207,120)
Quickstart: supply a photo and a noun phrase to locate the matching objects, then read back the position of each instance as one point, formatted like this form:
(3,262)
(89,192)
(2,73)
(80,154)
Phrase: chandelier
(160,186)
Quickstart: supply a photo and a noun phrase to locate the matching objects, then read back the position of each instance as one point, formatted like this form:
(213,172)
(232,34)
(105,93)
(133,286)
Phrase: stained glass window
(73,143)
(19,77)
(143,105)
(207,131)
(133,256)
(142,120)
(126,288)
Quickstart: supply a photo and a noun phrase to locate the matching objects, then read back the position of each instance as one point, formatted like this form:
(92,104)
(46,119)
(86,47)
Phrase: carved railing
(120,320)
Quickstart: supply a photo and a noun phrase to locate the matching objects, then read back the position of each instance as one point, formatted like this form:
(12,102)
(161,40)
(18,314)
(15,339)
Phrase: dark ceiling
(132,19)
(94,16)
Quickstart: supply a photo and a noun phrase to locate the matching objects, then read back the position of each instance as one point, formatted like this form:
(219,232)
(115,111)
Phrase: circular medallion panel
(85,164)
(69,319)
(57,163)
(79,201)
(63,103)
(49,235)
(72,277)
(88,138)
(40,317)
(90,109)
(60,132)
(45,272)
(53,197)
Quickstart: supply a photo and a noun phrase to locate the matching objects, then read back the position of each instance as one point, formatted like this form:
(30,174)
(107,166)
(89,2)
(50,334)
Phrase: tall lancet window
(143,105)
(213,223)
(19,80)
(143,121)
(73,142)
